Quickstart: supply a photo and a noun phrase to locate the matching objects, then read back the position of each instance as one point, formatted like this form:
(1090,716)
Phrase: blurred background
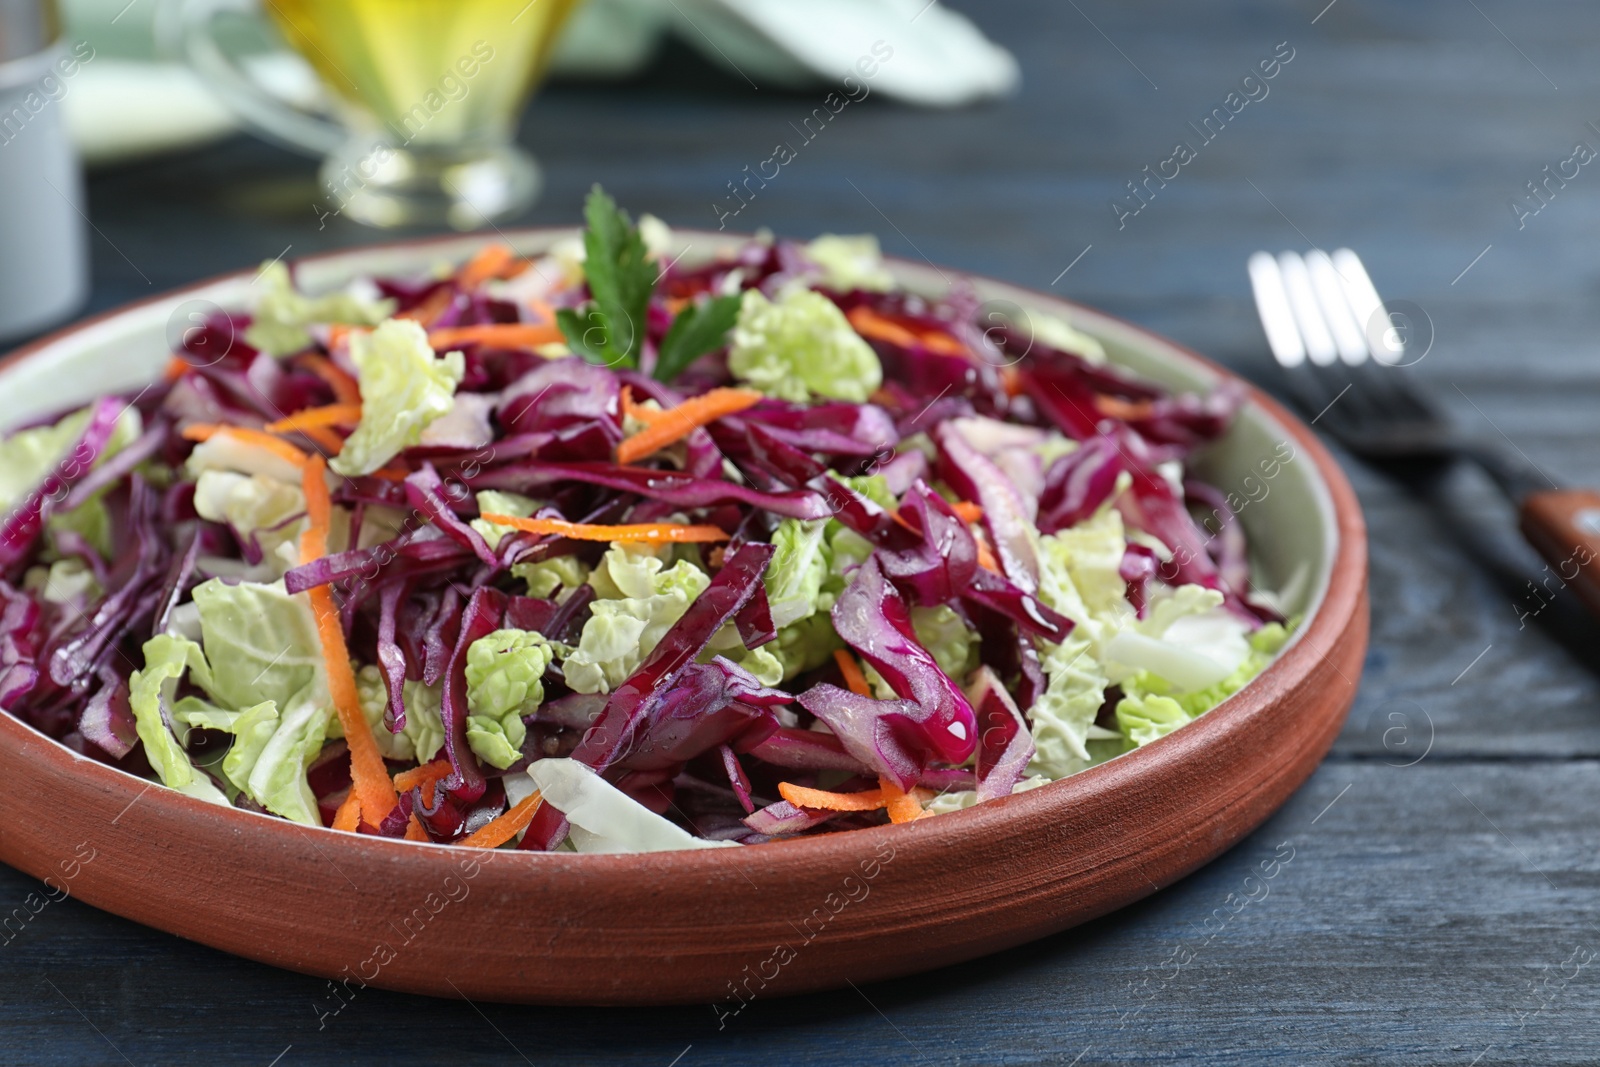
(1449,142)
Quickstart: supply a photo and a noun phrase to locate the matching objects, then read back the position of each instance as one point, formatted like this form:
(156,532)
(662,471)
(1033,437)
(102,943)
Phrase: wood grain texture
(1408,929)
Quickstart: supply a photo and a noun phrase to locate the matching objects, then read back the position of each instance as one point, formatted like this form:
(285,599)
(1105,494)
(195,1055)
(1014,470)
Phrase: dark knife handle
(1564,526)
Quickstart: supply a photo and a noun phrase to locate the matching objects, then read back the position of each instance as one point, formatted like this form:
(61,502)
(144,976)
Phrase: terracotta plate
(717,925)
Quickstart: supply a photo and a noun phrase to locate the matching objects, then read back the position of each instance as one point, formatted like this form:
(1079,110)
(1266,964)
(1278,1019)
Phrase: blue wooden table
(1440,904)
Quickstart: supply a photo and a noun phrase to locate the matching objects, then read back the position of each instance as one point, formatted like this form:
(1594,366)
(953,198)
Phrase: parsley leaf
(610,329)
(698,329)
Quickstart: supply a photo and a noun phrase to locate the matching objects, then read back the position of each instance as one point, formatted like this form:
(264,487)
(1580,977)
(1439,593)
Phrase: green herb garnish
(698,329)
(609,329)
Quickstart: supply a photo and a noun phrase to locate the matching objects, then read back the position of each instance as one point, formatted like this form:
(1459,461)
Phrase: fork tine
(1314,333)
(1348,337)
(1272,304)
(1365,304)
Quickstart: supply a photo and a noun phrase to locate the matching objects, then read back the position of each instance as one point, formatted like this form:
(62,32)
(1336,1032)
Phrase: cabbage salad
(597,551)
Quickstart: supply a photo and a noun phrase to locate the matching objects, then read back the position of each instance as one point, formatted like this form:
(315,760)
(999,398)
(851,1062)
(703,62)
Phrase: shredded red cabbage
(964,432)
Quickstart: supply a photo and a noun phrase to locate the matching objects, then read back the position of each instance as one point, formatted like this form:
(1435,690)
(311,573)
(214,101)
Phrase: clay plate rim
(1331,617)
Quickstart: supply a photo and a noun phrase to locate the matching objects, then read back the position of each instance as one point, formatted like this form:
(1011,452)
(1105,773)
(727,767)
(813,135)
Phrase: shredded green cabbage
(282,313)
(505,672)
(640,599)
(800,347)
(404,387)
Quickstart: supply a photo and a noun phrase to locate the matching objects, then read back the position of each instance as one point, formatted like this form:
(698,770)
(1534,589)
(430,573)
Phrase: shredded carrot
(652,532)
(415,832)
(205,431)
(490,261)
(986,558)
(871,324)
(339,333)
(853,676)
(678,422)
(542,311)
(392,473)
(820,799)
(503,828)
(406,781)
(631,409)
(1011,381)
(346,390)
(328,442)
(943,343)
(903,807)
(319,511)
(499,334)
(368,775)
(424,776)
(430,307)
(866,800)
(1119,408)
(176,368)
(967,511)
(348,817)
(330,415)
(369,778)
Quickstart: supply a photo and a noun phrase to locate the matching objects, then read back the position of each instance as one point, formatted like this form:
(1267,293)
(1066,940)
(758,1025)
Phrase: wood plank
(1423,915)
(1407,929)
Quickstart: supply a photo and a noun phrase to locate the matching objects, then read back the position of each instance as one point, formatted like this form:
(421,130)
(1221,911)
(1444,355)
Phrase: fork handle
(1564,526)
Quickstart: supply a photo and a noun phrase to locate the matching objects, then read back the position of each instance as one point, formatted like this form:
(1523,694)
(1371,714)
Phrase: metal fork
(1344,351)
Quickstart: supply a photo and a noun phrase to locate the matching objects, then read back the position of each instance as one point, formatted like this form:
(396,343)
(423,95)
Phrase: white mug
(44,273)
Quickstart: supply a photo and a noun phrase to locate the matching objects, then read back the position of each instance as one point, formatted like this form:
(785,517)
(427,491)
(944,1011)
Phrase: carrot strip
(406,781)
(680,421)
(319,511)
(330,415)
(986,558)
(903,807)
(339,333)
(503,828)
(392,473)
(346,390)
(425,776)
(966,511)
(542,311)
(205,431)
(176,368)
(488,263)
(328,442)
(853,676)
(499,334)
(348,817)
(368,776)
(638,412)
(415,832)
(869,323)
(1119,408)
(943,343)
(428,309)
(581,531)
(820,799)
